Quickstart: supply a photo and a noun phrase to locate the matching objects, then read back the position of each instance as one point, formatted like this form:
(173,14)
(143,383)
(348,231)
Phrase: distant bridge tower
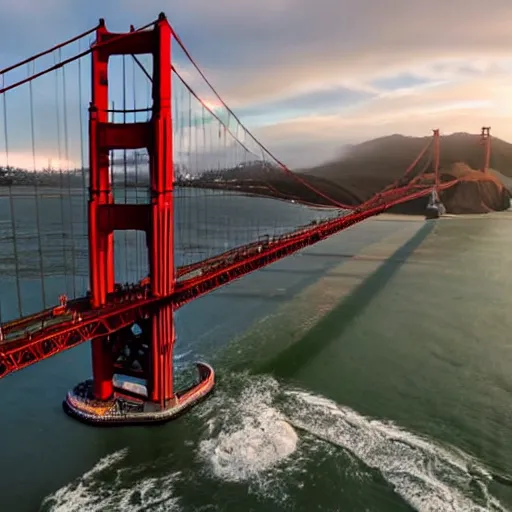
(435,208)
(436,161)
(100,401)
(485,140)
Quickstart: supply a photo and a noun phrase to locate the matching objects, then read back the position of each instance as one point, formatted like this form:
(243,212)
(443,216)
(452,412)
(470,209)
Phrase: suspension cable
(426,166)
(62,63)
(50,50)
(417,159)
(409,169)
(263,147)
(235,137)
(211,112)
(142,67)
(394,186)
(258,143)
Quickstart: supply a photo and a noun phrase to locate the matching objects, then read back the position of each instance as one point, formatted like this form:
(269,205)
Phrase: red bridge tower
(99,400)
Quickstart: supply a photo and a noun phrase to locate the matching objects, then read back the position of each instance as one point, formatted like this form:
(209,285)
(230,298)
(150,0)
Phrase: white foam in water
(427,476)
(255,446)
(92,493)
(253,437)
(250,437)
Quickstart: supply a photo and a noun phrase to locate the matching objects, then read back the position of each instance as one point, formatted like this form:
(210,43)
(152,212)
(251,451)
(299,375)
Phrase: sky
(307,78)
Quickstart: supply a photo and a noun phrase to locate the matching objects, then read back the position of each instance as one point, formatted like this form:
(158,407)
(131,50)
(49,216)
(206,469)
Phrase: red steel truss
(99,323)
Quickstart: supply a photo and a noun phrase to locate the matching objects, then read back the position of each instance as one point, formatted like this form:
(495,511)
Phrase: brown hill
(368,167)
(474,193)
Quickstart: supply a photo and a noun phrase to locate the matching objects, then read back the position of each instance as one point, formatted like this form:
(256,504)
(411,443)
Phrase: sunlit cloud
(310,77)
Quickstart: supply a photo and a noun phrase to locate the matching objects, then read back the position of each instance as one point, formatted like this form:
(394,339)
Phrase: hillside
(474,193)
(372,165)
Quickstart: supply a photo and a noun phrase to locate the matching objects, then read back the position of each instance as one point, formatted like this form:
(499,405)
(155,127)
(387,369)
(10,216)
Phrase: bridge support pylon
(435,208)
(149,341)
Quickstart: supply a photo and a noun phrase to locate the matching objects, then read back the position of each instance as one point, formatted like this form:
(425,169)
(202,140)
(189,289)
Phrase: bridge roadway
(34,338)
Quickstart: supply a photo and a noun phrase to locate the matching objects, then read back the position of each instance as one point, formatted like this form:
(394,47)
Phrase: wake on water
(255,437)
(91,493)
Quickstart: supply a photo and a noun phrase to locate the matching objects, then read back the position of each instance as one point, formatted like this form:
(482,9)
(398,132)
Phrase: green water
(370,372)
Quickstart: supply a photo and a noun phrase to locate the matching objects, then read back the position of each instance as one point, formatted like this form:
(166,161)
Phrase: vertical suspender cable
(190,226)
(186,195)
(61,195)
(231,198)
(83,234)
(111,165)
(175,225)
(70,197)
(36,192)
(11,205)
(194,132)
(125,170)
(196,141)
(218,175)
(206,217)
(136,165)
(191,209)
(111,155)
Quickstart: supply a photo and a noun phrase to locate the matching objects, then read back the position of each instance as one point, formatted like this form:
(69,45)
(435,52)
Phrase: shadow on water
(291,360)
(315,272)
(278,297)
(327,255)
(294,271)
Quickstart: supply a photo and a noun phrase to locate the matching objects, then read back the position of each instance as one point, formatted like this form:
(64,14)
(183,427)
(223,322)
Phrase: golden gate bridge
(134,153)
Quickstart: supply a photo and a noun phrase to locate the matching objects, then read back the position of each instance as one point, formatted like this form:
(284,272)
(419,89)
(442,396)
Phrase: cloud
(453,107)
(400,81)
(309,77)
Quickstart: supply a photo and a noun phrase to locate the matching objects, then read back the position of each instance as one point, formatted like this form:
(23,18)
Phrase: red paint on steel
(113,316)
(101,266)
(161,243)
